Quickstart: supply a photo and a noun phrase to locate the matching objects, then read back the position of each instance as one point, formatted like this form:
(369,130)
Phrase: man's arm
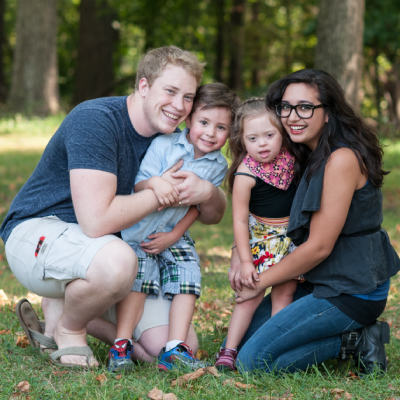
(196,191)
(99,211)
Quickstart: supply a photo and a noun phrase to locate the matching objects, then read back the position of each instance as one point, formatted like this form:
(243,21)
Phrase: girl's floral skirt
(268,241)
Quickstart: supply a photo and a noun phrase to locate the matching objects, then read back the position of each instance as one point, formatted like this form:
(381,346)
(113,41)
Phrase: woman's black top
(362,257)
(268,201)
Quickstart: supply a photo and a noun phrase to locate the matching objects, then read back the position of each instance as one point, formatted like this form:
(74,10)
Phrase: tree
(34,85)
(97,42)
(340,40)
(236,44)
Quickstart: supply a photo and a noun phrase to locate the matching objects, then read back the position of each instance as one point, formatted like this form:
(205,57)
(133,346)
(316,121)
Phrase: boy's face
(209,129)
(169,100)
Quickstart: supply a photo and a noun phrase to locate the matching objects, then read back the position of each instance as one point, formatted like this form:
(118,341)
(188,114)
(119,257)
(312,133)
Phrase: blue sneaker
(179,356)
(119,357)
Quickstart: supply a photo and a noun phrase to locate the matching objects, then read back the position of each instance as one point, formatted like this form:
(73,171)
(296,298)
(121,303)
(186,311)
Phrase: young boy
(165,251)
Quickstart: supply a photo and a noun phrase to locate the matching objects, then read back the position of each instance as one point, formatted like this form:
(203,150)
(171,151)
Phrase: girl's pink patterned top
(278,173)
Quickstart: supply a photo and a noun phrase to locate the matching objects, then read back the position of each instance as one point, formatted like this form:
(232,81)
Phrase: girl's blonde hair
(251,108)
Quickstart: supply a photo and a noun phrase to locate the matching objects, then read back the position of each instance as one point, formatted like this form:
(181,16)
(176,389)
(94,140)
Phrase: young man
(59,232)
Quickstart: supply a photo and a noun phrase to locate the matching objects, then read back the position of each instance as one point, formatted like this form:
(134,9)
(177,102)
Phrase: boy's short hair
(213,95)
(154,62)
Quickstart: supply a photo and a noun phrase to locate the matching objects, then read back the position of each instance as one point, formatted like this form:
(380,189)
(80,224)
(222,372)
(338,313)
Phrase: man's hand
(166,193)
(167,175)
(160,241)
(193,190)
(248,275)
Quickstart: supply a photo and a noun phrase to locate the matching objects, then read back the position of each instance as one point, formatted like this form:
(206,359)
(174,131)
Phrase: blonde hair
(251,108)
(154,62)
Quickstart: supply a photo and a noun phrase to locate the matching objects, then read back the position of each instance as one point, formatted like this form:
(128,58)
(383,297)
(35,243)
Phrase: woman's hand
(248,275)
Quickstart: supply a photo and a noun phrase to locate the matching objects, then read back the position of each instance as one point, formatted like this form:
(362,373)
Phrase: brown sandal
(34,328)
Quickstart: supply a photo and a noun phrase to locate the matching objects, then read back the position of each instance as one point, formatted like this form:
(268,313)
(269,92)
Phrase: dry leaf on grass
(352,375)
(194,375)
(397,334)
(60,373)
(23,387)
(23,341)
(239,385)
(202,354)
(118,377)
(3,298)
(5,332)
(340,393)
(101,378)
(157,394)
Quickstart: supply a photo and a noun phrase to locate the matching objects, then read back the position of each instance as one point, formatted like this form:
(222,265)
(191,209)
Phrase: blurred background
(55,54)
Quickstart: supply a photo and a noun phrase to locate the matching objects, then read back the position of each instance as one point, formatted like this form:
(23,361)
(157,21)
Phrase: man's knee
(117,264)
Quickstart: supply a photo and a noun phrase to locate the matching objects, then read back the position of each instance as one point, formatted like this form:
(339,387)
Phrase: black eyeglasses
(304,111)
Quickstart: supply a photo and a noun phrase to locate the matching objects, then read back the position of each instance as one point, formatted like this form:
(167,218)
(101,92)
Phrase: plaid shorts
(175,270)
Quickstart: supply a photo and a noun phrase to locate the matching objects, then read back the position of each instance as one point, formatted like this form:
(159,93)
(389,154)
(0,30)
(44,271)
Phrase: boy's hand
(248,275)
(160,242)
(166,193)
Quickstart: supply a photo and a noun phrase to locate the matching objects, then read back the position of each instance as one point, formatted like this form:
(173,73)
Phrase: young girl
(261,182)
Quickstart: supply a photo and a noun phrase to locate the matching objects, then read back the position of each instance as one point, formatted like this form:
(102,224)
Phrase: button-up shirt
(164,152)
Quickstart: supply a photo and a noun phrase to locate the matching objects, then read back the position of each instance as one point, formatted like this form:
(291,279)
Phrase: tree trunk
(3,85)
(219,43)
(34,86)
(254,44)
(237,45)
(340,38)
(97,40)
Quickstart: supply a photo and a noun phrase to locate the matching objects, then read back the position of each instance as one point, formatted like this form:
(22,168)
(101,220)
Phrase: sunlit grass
(20,149)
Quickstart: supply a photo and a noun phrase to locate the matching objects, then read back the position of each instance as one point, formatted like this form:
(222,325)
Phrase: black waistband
(361,233)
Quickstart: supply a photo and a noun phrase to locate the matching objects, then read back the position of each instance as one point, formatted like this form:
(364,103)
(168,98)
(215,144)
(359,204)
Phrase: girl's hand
(165,192)
(246,294)
(160,242)
(248,275)
(234,271)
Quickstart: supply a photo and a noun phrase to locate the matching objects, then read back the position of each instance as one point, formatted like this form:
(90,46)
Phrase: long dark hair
(251,108)
(345,127)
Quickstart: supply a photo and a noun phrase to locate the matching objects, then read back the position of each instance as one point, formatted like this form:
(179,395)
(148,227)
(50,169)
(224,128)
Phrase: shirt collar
(182,140)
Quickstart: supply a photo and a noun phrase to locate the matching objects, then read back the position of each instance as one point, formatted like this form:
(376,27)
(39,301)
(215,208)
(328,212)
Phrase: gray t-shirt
(97,134)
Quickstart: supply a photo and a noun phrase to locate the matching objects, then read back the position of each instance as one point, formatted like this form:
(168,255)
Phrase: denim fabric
(164,152)
(305,333)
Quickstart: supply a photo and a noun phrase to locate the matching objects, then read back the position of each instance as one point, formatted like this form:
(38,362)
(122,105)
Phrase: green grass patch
(211,318)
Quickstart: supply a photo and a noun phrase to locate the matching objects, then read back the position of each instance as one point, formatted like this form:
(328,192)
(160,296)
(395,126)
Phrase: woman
(343,253)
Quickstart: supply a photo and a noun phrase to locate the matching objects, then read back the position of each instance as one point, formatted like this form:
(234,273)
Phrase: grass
(21,144)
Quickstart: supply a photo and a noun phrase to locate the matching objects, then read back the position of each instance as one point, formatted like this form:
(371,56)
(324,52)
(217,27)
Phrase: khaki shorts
(45,254)
(156,313)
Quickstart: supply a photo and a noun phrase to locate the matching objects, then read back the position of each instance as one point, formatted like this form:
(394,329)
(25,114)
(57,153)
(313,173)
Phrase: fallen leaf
(23,341)
(101,378)
(239,385)
(194,375)
(23,387)
(398,228)
(202,354)
(397,334)
(391,387)
(340,393)
(60,373)
(12,186)
(118,377)
(5,332)
(352,375)
(1,257)
(156,394)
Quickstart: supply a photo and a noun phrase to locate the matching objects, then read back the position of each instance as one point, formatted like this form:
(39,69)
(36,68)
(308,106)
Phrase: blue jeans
(305,333)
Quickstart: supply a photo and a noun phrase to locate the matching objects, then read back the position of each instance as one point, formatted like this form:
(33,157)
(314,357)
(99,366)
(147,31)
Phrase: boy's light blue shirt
(164,152)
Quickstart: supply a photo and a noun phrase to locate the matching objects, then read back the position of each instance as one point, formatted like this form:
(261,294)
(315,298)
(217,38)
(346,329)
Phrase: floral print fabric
(278,173)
